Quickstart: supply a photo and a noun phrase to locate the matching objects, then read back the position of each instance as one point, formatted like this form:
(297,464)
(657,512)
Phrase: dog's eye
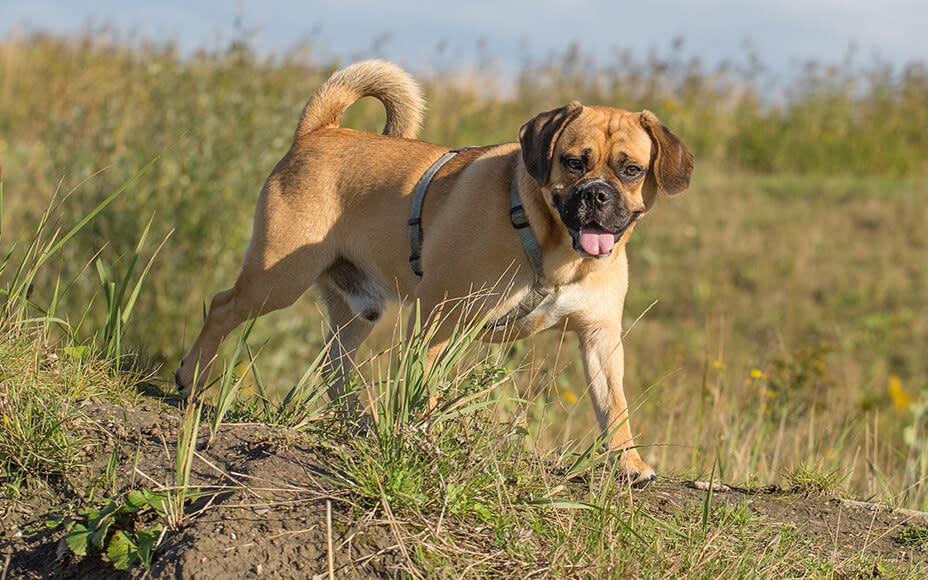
(632,171)
(573,164)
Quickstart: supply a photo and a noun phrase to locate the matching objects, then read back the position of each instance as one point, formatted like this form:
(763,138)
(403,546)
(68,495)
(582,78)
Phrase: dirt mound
(273,488)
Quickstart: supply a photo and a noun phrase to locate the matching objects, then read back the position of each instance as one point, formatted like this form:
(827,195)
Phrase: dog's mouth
(594,241)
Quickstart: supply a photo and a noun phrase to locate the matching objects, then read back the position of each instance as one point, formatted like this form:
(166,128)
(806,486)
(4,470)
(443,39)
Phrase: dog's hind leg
(256,292)
(347,331)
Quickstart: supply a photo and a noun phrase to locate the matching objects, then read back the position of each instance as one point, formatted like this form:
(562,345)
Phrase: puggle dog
(539,227)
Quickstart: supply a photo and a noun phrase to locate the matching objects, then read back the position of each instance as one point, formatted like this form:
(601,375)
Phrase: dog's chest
(539,309)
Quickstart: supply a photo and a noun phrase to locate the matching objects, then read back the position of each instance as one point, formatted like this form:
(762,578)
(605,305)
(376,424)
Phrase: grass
(41,376)
(43,434)
(469,495)
(916,536)
(467,492)
(427,459)
(786,343)
(807,479)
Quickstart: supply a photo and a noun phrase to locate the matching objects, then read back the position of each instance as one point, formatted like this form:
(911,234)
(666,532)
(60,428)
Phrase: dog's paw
(634,471)
(182,390)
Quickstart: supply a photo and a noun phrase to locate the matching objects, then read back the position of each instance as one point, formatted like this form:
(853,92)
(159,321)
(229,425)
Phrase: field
(777,316)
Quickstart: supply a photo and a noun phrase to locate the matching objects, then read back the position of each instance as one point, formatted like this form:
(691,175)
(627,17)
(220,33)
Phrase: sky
(424,35)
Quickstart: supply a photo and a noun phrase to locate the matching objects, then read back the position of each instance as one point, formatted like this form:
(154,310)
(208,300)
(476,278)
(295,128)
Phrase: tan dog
(334,212)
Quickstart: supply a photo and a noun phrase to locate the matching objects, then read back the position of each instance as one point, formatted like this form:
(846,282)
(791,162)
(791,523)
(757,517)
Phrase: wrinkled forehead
(604,129)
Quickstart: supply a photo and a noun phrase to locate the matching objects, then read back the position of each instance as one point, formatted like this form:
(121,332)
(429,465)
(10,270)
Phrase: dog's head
(599,169)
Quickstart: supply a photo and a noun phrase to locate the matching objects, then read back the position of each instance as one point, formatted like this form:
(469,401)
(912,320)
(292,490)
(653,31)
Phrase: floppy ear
(672,162)
(539,135)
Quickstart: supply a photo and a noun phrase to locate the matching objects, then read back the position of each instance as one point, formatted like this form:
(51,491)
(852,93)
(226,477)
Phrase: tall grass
(46,370)
(789,280)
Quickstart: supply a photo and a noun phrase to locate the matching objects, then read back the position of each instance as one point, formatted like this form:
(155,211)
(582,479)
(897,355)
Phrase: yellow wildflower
(901,398)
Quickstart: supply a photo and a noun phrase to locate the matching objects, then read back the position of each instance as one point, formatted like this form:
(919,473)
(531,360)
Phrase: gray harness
(517,217)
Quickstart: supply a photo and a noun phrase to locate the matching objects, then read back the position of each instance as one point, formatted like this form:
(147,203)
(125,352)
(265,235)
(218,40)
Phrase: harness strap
(517,217)
(538,292)
(415,212)
(519,221)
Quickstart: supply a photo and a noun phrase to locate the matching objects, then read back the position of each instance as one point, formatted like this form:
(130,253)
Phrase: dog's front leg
(604,362)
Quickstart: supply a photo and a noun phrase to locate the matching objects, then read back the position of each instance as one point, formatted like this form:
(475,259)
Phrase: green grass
(45,370)
(43,434)
(469,495)
(916,536)
(807,479)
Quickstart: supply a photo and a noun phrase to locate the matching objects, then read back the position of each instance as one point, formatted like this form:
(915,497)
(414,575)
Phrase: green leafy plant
(122,529)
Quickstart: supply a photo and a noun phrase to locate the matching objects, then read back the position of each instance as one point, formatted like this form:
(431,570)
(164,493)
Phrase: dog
(540,225)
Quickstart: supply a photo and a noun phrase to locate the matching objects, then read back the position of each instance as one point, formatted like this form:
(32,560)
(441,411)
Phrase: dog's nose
(598,194)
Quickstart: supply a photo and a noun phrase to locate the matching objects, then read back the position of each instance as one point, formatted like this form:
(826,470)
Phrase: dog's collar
(517,217)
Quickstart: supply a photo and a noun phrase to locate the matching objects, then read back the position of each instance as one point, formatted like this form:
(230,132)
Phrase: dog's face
(599,169)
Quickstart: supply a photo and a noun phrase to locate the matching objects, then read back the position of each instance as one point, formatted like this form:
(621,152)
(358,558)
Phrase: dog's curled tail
(390,84)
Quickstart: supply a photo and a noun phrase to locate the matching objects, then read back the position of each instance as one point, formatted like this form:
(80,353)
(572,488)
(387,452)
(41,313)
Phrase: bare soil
(275,486)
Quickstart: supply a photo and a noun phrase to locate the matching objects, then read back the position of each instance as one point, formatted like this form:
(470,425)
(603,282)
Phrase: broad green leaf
(158,501)
(148,539)
(78,539)
(122,551)
(135,501)
(53,520)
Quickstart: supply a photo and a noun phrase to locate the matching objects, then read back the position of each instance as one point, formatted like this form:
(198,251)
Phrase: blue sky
(783,32)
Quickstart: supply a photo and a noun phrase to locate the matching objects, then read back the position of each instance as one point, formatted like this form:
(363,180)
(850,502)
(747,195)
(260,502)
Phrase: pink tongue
(595,241)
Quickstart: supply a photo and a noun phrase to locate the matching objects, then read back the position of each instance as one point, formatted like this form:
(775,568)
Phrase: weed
(229,384)
(916,536)
(805,478)
(119,305)
(432,457)
(177,494)
(122,529)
